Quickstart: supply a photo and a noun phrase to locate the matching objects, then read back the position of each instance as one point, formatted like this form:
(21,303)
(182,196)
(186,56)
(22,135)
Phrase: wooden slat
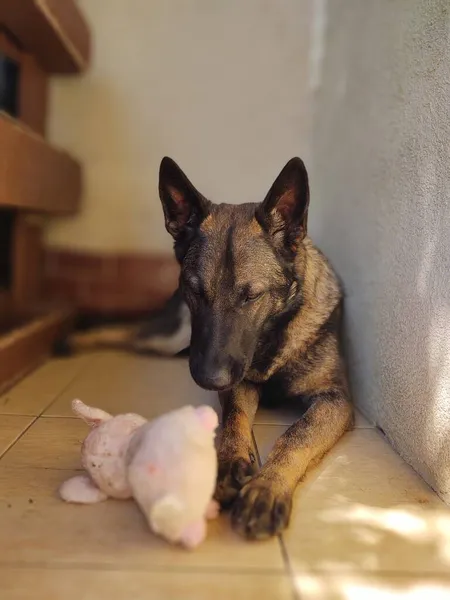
(33,95)
(33,86)
(26,346)
(54,31)
(33,174)
(8,47)
(5,301)
(28,255)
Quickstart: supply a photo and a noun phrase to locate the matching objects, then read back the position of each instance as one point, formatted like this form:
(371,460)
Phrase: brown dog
(263,305)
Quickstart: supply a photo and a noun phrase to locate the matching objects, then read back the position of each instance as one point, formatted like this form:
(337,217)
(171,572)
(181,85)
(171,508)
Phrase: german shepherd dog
(260,308)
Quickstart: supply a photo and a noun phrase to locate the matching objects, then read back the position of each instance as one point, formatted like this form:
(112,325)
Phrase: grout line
(25,467)
(35,418)
(19,436)
(258,457)
(288,566)
(374,573)
(219,570)
(71,417)
(76,566)
(40,416)
(18,415)
(81,370)
(283,550)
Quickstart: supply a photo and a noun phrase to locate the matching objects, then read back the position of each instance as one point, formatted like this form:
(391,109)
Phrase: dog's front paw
(233,474)
(261,510)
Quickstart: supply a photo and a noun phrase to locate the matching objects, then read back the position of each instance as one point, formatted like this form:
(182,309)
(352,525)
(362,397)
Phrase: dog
(260,308)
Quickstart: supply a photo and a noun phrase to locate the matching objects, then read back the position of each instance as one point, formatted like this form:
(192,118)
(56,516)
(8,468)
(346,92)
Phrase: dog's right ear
(184,207)
(284,211)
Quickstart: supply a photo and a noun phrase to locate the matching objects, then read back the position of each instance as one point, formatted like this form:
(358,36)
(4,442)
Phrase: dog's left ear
(184,207)
(284,211)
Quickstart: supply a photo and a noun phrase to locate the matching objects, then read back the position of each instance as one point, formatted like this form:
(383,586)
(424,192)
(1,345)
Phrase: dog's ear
(284,211)
(184,207)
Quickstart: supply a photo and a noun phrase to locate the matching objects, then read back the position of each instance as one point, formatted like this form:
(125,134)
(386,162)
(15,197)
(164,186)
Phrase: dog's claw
(260,511)
(232,477)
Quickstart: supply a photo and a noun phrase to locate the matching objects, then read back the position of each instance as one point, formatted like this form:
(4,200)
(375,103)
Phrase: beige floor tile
(49,443)
(24,584)
(119,382)
(37,528)
(265,437)
(11,426)
(281,416)
(364,508)
(372,587)
(34,393)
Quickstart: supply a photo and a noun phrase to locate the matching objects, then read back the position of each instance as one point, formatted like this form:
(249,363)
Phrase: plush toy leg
(82,490)
(212,510)
(194,534)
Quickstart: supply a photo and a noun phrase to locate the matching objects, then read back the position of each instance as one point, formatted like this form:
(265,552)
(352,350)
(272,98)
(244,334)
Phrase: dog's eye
(252,297)
(193,285)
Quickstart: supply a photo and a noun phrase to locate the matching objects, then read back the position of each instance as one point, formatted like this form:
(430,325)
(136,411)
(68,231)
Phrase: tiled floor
(364,525)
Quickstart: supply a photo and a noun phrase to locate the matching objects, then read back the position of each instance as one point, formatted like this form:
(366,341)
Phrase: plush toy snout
(208,417)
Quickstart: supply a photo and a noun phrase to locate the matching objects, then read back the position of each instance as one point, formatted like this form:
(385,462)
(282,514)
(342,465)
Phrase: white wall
(221,86)
(381,211)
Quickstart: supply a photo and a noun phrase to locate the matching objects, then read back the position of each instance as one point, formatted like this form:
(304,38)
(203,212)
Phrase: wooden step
(54,31)
(35,175)
(26,341)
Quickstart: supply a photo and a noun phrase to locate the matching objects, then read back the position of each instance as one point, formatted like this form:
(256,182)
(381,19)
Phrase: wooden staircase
(38,38)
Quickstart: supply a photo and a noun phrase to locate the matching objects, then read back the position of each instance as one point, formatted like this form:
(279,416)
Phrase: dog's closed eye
(252,296)
(193,285)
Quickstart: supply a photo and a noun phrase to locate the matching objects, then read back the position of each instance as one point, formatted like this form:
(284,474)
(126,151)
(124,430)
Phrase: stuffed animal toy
(168,465)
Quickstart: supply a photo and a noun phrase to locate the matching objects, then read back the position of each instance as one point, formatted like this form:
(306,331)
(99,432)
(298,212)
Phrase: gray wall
(381,210)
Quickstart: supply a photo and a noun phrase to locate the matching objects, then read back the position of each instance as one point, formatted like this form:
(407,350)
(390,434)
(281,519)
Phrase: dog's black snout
(211,375)
(218,380)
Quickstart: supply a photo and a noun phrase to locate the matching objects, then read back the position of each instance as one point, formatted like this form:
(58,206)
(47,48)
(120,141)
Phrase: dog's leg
(117,337)
(166,331)
(264,504)
(237,462)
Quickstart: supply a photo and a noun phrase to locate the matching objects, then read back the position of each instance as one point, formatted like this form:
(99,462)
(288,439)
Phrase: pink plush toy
(168,465)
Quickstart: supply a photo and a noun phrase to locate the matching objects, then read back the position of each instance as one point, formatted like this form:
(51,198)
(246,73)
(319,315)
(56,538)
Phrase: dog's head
(237,267)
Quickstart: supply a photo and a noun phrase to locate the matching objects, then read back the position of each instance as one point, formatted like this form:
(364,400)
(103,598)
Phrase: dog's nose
(217,380)
(220,379)
(211,374)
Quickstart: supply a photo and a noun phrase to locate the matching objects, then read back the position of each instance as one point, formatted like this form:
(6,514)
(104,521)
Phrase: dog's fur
(263,305)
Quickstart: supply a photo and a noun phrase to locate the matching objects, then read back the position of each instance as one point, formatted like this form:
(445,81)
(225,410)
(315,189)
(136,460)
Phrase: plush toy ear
(284,211)
(164,516)
(184,207)
(90,415)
